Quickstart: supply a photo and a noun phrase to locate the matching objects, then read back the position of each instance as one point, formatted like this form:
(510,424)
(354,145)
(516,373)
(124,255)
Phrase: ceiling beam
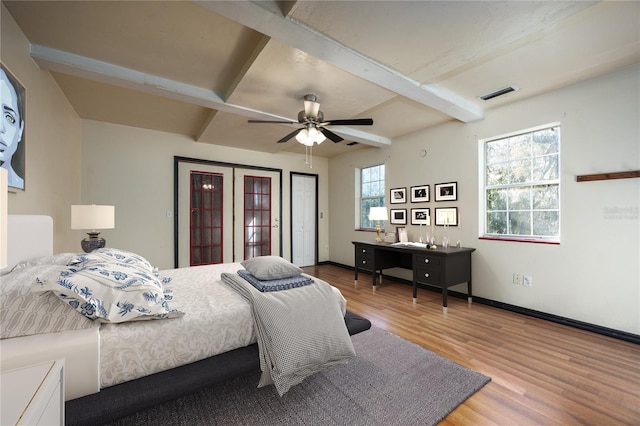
(104,72)
(264,18)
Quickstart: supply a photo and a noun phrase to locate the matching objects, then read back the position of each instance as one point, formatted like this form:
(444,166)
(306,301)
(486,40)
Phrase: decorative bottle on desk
(445,236)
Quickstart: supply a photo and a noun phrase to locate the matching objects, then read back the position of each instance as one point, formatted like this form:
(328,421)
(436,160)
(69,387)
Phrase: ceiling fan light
(318,136)
(304,138)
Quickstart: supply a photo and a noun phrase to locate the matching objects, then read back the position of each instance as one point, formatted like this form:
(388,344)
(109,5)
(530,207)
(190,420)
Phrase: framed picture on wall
(398,195)
(420,217)
(398,216)
(420,194)
(13,129)
(447,216)
(446,191)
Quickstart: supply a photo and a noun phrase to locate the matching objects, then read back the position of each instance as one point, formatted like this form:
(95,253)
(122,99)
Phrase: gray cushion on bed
(271,268)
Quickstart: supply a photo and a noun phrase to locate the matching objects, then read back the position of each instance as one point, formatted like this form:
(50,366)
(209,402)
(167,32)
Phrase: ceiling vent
(497,93)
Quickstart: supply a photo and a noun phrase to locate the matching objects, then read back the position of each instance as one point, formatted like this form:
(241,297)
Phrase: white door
(257,227)
(303,219)
(205,214)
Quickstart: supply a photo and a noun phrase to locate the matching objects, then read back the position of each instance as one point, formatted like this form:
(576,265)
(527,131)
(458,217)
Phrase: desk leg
(373,274)
(355,278)
(469,298)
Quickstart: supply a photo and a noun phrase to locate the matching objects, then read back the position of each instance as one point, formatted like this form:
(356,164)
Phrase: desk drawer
(428,268)
(428,275)
(364,257)
(426,261)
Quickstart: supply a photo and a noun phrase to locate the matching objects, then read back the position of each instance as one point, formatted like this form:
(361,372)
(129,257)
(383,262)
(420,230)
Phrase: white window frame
(484,187)
(361,200)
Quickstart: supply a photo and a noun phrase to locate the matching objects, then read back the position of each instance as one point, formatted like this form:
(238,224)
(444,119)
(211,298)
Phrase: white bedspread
(217,320)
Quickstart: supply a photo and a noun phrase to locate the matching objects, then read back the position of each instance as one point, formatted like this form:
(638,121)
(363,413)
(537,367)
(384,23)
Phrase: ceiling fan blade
(330,135)
(352,122)
(290,135)
(272,121)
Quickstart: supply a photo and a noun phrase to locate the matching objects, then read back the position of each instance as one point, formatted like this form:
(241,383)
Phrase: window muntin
(372,192)
(522,185)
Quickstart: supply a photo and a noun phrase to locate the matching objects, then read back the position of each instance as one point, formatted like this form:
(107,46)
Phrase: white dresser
(33,395)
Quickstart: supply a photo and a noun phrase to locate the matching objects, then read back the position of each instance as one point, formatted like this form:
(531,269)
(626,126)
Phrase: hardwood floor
(542,373)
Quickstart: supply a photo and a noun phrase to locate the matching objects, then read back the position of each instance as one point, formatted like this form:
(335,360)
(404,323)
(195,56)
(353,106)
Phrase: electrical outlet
(527,280)
(517,279)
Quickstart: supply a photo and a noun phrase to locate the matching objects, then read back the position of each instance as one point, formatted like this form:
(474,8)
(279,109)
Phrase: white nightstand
(33,395)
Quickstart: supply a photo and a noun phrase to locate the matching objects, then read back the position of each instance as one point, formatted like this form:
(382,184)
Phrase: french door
(257,212)
(225,213)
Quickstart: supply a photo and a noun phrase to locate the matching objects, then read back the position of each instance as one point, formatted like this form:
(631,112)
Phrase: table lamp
(92,217)
(378,214)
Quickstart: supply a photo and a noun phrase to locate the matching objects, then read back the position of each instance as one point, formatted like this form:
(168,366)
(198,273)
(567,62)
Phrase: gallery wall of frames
(446,193)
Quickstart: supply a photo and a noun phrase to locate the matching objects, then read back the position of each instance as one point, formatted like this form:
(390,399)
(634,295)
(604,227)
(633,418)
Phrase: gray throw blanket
(300,331)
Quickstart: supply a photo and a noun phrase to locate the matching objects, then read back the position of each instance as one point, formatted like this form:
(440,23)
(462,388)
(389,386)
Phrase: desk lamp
(92,217)
(378,214)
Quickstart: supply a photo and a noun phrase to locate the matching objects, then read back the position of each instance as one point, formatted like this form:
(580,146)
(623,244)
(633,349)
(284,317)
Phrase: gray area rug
(391,381)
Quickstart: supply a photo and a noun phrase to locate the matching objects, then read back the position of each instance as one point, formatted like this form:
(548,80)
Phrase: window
(522,185)
(371,193)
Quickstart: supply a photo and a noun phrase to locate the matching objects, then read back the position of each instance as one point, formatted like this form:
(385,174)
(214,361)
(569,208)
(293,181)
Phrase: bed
(116,369)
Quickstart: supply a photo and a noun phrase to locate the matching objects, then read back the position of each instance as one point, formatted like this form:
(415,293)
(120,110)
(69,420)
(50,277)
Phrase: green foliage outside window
(522,185)
(371,193)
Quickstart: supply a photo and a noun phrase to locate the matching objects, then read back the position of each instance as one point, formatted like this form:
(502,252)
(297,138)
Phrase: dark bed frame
(137,395)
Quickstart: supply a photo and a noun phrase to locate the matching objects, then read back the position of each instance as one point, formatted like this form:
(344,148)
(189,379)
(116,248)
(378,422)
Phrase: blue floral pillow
(111,292)
(113,255)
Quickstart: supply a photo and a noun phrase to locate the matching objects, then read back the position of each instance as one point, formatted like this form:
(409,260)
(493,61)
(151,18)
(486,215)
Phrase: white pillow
(111,292)
(113,255)
(23,313)
(56,259)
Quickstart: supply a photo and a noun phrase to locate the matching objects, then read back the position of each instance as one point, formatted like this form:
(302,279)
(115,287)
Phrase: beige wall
(132,169)
(594,274)
(52,137)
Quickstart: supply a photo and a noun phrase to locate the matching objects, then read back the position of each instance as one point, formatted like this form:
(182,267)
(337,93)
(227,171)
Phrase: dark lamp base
(93,242)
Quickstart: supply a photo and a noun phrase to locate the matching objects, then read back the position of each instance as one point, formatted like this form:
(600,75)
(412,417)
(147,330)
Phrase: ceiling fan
(314,125)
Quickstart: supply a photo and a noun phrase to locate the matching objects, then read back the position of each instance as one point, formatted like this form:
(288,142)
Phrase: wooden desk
(441,267)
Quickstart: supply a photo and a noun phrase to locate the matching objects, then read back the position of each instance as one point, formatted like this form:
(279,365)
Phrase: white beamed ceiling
(202,68)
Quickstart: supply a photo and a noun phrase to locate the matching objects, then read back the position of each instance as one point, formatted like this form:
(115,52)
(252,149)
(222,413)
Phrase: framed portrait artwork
(398,195)
(13,134)
(398,216)
(446,191)
(447,216)
(420,217)
(420,194)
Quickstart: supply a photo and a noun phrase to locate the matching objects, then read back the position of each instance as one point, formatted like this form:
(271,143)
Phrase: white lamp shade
(92,217)
(309,136)
(378,213)
(4,208)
